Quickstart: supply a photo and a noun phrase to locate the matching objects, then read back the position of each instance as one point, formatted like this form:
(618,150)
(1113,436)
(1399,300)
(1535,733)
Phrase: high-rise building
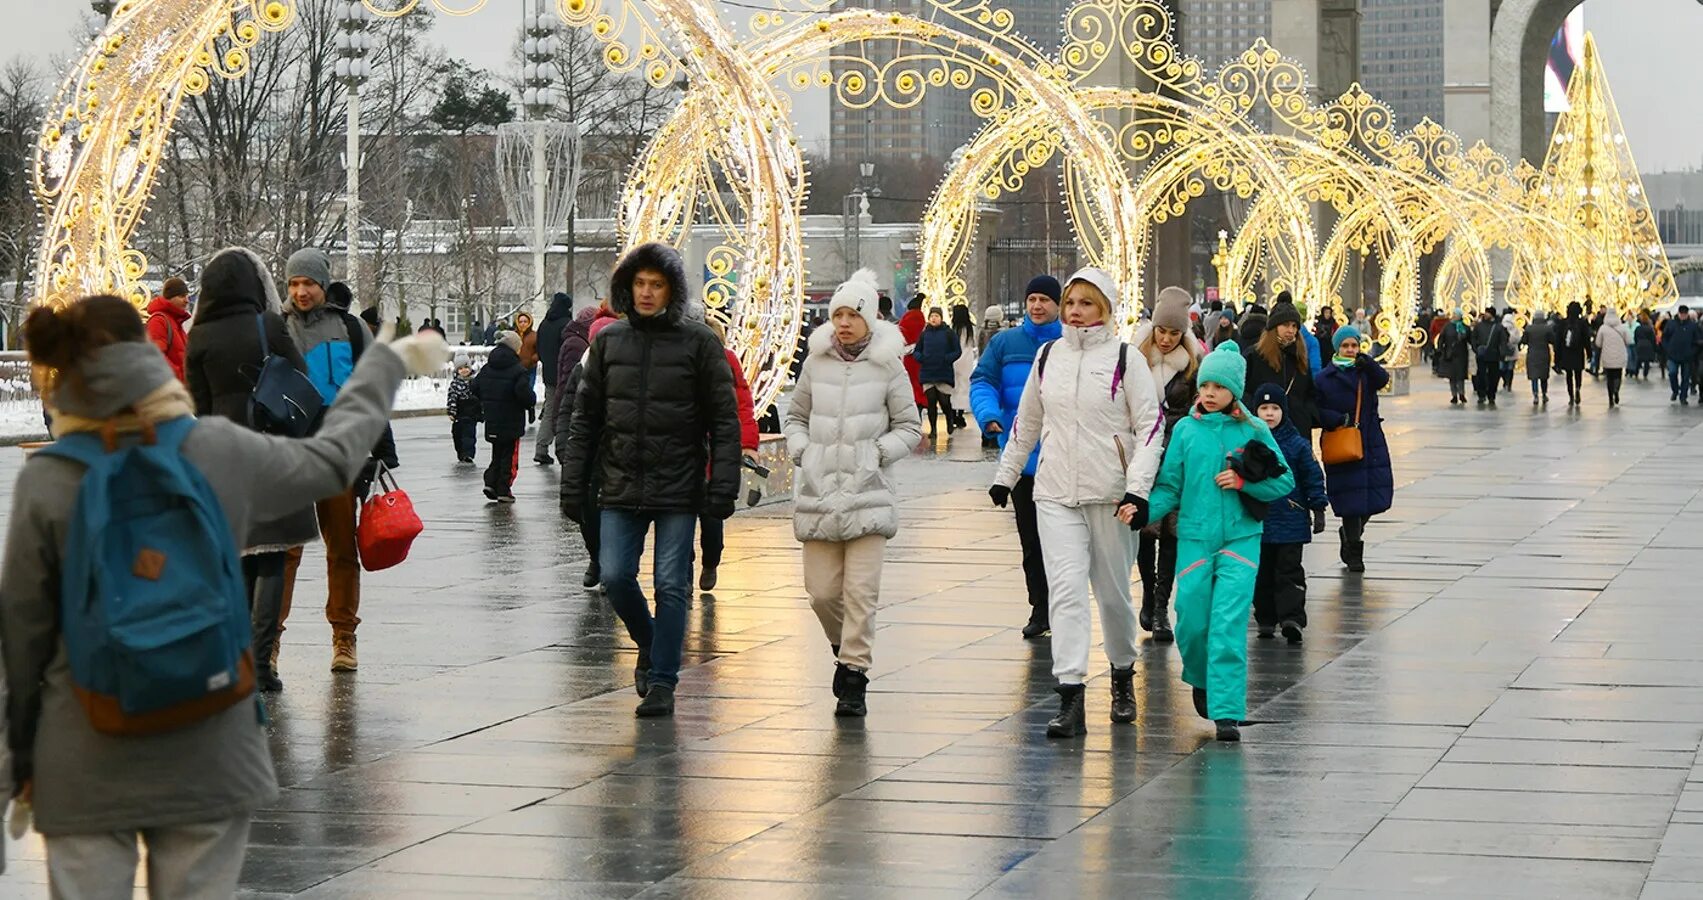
(942,121)
(1401,57)
(1217,30)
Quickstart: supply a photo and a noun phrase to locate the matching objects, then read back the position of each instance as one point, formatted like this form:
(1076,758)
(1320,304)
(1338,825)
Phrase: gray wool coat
(87,782)
(848,423)
(1538,337)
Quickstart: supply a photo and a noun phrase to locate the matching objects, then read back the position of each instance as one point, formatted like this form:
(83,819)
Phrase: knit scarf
(1345,362)
(169,401)
(850,352)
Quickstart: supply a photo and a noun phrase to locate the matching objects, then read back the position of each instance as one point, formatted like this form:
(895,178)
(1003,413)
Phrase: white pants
(187,862)
(843,579)
(1082,546)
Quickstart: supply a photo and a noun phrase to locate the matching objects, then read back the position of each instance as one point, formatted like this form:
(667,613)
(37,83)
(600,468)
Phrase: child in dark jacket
(464,412)
(504,389)
(1280,587)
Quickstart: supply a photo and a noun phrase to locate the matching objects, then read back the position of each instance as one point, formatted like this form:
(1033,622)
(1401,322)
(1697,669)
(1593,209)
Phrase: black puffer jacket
(1295,376)
(561,313)
(655,406)
(504,389)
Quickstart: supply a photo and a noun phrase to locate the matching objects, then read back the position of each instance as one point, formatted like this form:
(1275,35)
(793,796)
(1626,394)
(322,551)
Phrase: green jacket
(1198,451)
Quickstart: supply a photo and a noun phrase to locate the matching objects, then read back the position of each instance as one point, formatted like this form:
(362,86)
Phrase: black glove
(572,508)
(1362,359)
(1139,521)
(1001,495)
(719,509)
(364,481)
(1318,521)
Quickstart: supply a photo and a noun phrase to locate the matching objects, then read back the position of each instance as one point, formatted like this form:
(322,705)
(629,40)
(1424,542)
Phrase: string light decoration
(1131,157)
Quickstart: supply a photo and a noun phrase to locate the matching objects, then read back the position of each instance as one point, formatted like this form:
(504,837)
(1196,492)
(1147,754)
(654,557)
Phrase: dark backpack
(284,402)
(153,610)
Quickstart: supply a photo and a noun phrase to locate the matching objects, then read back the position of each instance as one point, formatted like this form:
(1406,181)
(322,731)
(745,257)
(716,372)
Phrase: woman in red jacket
(911,326)
(711,529)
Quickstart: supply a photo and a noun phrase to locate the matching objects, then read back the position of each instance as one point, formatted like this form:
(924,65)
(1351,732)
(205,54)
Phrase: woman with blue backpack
(238,324)
(139,720)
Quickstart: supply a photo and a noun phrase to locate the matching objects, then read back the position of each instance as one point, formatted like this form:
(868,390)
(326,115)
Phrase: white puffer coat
(1094,447)
(1613,340)
(850,421)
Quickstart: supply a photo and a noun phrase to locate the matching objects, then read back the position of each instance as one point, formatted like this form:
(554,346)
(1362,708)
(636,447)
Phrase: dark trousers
(1612,379)
(1486,382)
(263,576)
(939,402)
(1575,382)
(1029,537)
(1280,588)
(505,464)
(1679,378)
(1156,559)
(1457,387)
(661,638)
(712,539)
(1540,387)
(466,437)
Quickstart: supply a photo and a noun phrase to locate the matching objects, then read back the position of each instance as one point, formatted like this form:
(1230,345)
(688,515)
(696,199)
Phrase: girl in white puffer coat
(1091,404)
(853,415)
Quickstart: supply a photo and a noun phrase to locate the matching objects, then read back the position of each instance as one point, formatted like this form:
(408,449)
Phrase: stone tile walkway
(1509,703)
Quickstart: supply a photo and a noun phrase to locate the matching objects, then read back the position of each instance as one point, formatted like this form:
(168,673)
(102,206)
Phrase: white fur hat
(860,294)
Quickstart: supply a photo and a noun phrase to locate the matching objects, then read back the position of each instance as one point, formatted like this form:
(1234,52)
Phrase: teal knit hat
(1343,334)
(1225,366)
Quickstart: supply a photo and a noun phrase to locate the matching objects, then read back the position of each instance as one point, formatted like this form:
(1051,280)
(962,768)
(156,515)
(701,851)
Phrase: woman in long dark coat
(1348,388)
(1454,348)
(1571,340)
(1539,345)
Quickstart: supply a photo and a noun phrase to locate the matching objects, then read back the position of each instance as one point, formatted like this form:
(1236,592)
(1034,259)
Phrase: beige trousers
(843,579)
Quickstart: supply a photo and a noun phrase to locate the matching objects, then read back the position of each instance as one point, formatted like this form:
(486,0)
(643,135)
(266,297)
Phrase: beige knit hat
(1172,309)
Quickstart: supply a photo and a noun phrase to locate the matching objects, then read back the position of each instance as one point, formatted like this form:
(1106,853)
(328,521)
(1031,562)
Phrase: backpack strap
(1041,361)
(1123,366)
(171,336)
(83,447)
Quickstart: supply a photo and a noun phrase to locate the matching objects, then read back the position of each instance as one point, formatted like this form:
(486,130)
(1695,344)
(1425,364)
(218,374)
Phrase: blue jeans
(623,539)
(1679,378)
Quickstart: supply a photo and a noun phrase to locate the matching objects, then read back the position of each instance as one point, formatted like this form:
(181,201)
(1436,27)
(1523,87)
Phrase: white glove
(423,353)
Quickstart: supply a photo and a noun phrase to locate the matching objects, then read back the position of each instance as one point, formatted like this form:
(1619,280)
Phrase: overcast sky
(1649,47)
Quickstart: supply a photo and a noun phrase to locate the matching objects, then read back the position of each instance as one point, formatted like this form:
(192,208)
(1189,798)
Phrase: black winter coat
(655,408)
(224,358)
(561,313)
(1296,379)
(504,389)
(1570,354)
(1454,345)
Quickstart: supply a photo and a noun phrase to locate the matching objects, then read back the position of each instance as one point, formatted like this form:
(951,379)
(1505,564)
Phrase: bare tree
(21,90)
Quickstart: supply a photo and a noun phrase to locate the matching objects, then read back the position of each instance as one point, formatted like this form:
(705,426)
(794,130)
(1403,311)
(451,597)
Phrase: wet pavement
(1508,703)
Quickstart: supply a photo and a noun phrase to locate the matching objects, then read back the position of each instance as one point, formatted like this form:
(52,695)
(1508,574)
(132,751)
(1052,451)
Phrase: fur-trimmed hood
(662,258)
(236,282)
(886,343)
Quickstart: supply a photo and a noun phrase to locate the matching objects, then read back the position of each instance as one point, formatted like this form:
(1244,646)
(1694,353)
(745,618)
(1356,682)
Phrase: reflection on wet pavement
(1510,703)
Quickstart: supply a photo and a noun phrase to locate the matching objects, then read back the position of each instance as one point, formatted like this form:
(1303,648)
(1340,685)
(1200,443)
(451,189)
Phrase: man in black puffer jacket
(550,335)
(655,411)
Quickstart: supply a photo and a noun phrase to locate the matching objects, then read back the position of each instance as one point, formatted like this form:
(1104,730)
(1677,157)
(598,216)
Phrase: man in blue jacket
(996,386)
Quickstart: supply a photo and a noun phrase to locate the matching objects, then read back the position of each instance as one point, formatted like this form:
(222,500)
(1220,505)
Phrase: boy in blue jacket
(1280,589)
(996,387)
(1221,468)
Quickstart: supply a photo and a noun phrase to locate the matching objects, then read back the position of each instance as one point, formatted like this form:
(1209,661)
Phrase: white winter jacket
(1095,446)
(848,422)
(1613,340)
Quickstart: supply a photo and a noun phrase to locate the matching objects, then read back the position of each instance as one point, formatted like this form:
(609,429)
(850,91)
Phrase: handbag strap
(384,478)
(1359,395)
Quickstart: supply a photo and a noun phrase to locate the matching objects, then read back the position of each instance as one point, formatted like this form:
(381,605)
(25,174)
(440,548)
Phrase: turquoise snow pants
(1215,588)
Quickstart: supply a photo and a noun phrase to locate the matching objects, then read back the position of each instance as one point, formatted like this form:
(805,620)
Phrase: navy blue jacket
(936,351)
(1288,521)
(996,386)
(504,391)
(1367,487)
(1679,339)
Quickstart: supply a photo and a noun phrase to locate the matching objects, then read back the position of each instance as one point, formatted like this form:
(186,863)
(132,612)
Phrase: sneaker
(1267,632)
(1229,731)
(343,653)
(544,459)
(490,495)
(707,578)
(1037,626)
(1291,632)
(505,498)
(658,703)
(854,685)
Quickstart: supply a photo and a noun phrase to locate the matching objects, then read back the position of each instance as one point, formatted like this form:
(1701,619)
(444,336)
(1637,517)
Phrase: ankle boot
(1145,618)
(641,674)
(1162,632)
(658,702)
(1038,625)
(1345,547)
(840,671)
(853,686)
(1072,718)
(1357,554)
(1199,696)
(1123,695)
(1229,730)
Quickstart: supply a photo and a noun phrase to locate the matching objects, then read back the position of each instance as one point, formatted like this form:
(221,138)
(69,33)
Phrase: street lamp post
(855,208)
(353,44)
(539,98)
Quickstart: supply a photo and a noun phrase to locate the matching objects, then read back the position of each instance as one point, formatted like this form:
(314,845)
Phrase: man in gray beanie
(332,341)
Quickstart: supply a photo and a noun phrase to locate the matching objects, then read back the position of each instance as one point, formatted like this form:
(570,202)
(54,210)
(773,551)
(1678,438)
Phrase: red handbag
(388,525)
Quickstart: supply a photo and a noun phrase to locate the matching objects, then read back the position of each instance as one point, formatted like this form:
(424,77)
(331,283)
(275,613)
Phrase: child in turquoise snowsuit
(1218,540)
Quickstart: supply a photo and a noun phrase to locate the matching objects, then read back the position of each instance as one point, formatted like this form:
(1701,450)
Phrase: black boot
(1162,632)
(1072,718)
(853,685)
(1291,631)
(1123,695)
(641,673)
(1229,731)
(707,578)
(1356,556)
(1267,632)
(840,671)
(658,703)
(593,575)
(266,678)
(1346,547)
(1200,703)
(1038,626)
(1145,617)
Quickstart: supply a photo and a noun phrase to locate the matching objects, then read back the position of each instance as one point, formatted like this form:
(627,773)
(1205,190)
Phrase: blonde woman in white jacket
(1091,404)
(853,415)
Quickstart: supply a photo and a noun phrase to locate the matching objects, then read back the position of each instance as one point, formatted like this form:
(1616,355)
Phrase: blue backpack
(330,364)
(152,605)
